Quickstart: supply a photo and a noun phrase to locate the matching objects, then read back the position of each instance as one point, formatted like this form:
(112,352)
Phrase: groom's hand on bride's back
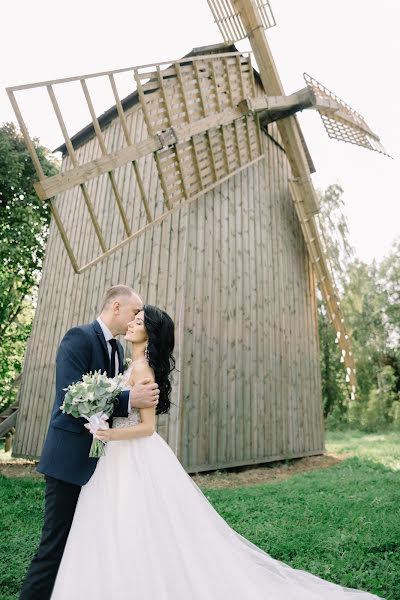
(144,394)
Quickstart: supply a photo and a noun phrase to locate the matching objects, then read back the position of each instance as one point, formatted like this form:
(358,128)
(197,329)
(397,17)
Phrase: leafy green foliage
(95,393)
(370,296)
(24,222)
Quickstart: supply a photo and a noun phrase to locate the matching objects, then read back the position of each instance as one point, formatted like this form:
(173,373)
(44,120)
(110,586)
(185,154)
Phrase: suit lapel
(103,343)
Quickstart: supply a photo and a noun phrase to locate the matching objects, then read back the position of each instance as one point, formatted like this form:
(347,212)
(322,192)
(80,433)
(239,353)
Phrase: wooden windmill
(188,189)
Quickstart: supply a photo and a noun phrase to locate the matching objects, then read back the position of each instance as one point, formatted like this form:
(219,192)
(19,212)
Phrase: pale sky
(351,46)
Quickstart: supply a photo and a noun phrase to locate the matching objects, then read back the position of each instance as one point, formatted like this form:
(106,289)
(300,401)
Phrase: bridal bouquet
(92,398)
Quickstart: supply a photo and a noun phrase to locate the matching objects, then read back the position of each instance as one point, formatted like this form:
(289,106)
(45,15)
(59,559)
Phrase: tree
(363,305)
(389,279)
(24,222)
(334,228)
(335,233)
(334,387)
(370,298)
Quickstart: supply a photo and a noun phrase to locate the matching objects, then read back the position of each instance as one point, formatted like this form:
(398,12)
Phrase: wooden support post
(272,85)
(104,152)
(72,155)
(41,176)
(128,139)
(324,280)
(27,139)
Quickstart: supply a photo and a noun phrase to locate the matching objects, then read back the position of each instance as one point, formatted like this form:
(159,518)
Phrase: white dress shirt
(108,336)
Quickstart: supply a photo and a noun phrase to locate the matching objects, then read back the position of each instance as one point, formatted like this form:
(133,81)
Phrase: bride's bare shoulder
(140,369)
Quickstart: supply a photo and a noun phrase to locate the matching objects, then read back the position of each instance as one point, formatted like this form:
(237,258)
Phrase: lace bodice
(134,417)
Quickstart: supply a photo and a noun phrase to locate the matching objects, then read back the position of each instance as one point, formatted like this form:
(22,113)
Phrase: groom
(65,458)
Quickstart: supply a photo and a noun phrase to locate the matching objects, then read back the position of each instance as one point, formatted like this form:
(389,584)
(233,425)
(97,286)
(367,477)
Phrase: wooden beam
(103,148)
(170,210)
(83,173)
(128,140)
(324,280)
(304,194)
(28,86)
(8,424)
(273,86)
(74,161)
(64,181)
(29,144)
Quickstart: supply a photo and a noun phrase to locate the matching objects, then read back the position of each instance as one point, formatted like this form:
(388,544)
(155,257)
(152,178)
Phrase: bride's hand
(105,435)
(144,394)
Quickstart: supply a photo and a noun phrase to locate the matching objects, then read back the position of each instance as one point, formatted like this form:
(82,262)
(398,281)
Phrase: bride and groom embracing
(133,525)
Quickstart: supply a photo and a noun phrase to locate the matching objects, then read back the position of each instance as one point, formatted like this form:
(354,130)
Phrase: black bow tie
(113,343)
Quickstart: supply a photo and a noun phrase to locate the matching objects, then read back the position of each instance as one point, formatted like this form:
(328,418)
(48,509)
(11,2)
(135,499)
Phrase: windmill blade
(228,18)
(342,122)
(197,133)
(199,101)
(302,188)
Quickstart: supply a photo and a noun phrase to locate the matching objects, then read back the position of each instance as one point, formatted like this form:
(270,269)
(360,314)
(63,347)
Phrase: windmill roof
(88,132)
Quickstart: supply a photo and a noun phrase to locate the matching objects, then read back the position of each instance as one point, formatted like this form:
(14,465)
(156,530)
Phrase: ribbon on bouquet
(96,422)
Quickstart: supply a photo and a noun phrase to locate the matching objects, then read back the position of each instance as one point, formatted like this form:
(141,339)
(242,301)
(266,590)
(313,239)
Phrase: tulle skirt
(143,530)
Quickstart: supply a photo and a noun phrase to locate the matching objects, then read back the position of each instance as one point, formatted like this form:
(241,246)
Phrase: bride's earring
(146,350)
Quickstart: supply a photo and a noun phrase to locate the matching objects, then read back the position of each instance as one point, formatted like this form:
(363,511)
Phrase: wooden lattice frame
(198,132)
(195,95)
(228,19)
(342,122)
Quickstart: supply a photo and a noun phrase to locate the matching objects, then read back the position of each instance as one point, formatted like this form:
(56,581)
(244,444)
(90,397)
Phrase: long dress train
(143,530)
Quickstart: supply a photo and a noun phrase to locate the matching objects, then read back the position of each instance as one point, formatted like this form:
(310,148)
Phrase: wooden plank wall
(232,270)
(251,383)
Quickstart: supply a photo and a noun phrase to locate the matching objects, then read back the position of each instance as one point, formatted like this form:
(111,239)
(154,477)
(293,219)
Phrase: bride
(143,530)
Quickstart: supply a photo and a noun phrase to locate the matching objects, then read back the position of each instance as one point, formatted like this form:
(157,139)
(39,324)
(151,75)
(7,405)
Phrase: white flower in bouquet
(93,399)
(127,363)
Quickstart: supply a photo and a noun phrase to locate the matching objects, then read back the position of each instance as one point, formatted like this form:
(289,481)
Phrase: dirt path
(266,473)
(18,467)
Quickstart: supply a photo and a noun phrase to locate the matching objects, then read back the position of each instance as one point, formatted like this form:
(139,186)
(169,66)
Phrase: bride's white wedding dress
(143,530)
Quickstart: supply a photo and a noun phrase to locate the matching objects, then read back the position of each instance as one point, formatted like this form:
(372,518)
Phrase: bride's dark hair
(160,330)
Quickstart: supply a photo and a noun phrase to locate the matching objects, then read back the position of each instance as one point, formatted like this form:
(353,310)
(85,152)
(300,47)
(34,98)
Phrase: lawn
(383,448)
(341,523)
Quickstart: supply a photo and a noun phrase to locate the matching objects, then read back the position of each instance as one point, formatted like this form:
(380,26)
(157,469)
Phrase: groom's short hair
(117,291)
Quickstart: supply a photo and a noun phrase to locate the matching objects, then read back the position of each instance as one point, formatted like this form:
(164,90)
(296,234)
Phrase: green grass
(21,514)
(383,448)
(341,523)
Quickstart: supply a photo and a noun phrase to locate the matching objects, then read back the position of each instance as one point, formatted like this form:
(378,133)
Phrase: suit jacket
(65,453)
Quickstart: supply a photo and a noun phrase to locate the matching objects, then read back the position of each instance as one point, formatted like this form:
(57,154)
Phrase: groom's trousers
(60,503)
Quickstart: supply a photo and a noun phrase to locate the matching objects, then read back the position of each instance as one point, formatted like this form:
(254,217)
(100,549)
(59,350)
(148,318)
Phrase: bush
(373,416)
(336,420)
(395,415)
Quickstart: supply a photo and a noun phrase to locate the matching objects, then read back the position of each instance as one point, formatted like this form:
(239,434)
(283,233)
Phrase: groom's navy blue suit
(65,453)
(65,458)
